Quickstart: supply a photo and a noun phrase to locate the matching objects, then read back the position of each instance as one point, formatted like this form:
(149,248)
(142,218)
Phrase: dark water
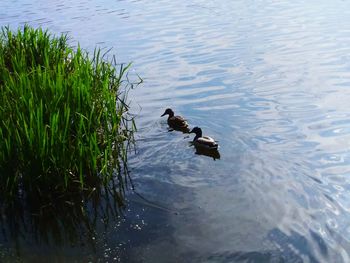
(270,80)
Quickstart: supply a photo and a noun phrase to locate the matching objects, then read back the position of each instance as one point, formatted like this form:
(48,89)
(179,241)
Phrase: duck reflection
(214,153)
(181,129)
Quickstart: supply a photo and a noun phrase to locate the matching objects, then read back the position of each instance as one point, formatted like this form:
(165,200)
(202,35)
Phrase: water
(269,80)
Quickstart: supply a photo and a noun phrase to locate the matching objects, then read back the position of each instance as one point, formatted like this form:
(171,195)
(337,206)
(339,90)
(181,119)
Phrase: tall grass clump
(63,126)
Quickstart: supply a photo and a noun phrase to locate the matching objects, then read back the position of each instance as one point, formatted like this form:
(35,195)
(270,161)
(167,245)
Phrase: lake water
(270,80)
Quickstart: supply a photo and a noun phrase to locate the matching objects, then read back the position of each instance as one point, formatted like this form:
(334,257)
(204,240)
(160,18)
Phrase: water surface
(270,80)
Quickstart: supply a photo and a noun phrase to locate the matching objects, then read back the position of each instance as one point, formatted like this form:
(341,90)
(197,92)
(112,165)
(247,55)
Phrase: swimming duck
(203,141)
(176,122)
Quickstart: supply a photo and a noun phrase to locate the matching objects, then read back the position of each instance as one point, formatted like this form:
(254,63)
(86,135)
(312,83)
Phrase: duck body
(176,122)
(205,142)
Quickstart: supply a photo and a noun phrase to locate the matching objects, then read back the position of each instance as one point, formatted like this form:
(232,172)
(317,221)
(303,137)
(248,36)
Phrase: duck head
(169,112)
(197,131)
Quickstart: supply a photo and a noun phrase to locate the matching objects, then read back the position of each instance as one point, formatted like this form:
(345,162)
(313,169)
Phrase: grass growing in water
(63,127)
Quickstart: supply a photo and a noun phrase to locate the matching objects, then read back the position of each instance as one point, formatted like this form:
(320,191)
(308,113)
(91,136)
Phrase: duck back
(177,122)
(206,142)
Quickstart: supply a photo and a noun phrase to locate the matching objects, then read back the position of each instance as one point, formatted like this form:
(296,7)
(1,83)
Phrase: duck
(176,122)
(204,142)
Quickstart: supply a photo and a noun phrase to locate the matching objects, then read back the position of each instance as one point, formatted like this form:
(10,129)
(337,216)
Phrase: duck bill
(162,114)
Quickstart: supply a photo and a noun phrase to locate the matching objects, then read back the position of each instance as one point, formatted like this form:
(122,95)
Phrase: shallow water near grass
(269,80)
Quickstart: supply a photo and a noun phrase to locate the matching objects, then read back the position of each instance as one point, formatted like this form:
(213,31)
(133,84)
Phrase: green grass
(63,125)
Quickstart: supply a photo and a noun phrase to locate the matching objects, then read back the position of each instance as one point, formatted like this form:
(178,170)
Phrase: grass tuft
(63,127)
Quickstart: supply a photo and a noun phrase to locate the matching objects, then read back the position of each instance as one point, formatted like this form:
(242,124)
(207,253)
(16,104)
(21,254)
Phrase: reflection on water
(270,81)
(60,222)
(292,248)
(214,153)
